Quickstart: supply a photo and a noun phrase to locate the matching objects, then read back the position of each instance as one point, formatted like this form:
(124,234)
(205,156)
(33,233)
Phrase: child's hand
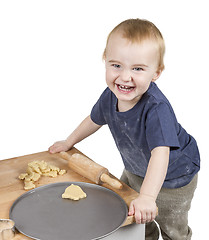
(144,208)
(61,146)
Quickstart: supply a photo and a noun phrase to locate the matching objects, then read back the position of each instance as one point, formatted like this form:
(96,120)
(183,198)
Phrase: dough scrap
(33,176)
(62,172)
(29,185)
(50,174)
(74,192)
(36,169)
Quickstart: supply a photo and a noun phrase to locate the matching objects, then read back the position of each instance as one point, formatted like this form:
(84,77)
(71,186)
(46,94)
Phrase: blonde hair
(138,30)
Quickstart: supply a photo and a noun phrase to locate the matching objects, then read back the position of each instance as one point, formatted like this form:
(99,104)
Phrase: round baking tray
(42,213)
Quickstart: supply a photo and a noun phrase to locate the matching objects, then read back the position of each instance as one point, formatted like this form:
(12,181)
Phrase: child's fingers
(154,214)
(133,212)
(139,217)
(149,217)
(144,217)
(53,148)
(131,209)
(60,146)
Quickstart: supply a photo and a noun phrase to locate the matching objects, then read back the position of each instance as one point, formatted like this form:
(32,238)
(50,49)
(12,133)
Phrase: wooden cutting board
(11,187)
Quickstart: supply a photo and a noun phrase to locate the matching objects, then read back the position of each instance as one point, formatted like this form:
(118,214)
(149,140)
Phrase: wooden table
(11,187)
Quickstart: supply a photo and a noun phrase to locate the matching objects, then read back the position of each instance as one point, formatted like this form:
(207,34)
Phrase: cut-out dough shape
(74,192)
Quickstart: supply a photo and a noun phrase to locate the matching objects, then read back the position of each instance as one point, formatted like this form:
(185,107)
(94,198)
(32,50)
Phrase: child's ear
(156,75)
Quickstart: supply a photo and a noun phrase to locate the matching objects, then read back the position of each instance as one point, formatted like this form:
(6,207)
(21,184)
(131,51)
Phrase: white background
(51,74)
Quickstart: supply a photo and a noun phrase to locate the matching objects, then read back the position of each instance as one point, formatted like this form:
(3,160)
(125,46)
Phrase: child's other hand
(60,146)
(144,208)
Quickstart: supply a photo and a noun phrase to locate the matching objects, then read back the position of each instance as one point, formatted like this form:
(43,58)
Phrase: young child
(161,159)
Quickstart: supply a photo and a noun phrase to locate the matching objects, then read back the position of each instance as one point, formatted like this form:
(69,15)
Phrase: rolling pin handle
(112,182)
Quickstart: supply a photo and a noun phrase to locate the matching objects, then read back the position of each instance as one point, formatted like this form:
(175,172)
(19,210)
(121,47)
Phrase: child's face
(130,68)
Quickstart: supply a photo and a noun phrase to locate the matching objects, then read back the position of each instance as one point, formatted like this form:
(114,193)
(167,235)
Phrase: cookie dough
(36,169)
(29,185)
(74,192)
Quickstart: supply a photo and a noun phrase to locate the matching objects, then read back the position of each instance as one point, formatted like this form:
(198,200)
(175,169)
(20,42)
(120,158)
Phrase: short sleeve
(97,115)
(161,127)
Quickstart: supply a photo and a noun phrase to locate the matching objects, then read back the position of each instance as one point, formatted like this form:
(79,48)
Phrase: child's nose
(126,76)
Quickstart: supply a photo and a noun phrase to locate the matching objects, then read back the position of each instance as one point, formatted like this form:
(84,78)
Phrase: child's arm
(144,207)
(85,129)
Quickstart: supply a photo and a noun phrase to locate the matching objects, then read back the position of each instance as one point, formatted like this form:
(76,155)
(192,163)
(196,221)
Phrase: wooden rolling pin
(90,169)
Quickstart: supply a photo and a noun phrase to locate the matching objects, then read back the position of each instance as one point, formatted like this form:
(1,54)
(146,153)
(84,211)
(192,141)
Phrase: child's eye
(137,69)
(116,65)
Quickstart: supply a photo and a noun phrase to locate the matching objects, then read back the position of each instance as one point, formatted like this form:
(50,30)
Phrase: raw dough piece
(34,166)
(33,176)
(50,174)
(29,185)
(35,170)
(74,192)
(62,172)
(23,175)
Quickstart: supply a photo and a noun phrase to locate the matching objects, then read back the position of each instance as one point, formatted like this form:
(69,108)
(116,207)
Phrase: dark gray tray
(42,213)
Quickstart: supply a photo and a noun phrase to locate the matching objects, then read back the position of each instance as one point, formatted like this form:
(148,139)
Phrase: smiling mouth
(125,88)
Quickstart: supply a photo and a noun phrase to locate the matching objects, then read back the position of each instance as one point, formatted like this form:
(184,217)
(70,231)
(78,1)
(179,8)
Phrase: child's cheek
(110,77)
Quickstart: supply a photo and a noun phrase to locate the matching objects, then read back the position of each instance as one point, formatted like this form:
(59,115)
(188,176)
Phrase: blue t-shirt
(149,124)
